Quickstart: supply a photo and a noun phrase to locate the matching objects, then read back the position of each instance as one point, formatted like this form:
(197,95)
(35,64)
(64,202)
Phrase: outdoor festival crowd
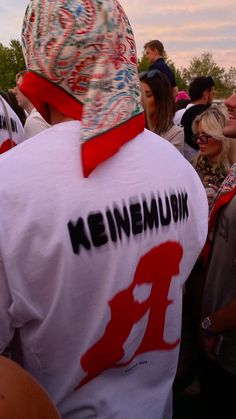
(117,227)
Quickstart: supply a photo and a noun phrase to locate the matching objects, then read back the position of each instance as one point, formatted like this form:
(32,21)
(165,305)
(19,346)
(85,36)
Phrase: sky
(187,28)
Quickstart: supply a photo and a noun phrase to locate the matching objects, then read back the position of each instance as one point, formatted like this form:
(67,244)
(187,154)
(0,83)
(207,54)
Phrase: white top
(34,124)
(179,114)
(9,117)
(93,268)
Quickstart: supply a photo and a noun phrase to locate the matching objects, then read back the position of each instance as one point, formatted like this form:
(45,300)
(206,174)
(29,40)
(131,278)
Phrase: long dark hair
(161,89)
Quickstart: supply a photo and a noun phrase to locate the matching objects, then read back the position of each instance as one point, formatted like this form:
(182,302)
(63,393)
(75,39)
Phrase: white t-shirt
(13,135)
(93,268)
(34,124)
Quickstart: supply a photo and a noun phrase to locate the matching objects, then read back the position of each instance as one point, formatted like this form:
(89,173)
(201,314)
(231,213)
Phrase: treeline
(12,61)
(204,65)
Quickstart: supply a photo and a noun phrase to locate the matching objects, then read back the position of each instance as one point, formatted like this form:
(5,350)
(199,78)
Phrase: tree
(142,63)
(180,81)
(230,80)
(206,66)
(203,66)
(11,62)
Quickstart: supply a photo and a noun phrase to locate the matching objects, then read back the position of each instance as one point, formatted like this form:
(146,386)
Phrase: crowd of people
(117,209)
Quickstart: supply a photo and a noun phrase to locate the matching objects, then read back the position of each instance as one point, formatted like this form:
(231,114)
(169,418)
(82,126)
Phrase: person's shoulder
(20,153)
(155,145)
(150,138)
(178,116)
(226,211)
(153,66)
(35,117)
(176,129)
(196,109)
(5,107)
(36,158)
(159,64)
(190,113)
(8,116)
(20,392)
(41,144)
(199,107)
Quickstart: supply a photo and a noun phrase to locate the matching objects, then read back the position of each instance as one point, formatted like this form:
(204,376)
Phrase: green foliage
(11,62)
(206,66)
(180,81)
(230,80)
(203,66)
(225,81)
(142,64)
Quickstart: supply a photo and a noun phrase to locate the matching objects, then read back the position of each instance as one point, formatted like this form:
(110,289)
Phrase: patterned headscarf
(225,193)
(81,60)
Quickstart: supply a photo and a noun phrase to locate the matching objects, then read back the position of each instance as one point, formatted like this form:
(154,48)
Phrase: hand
(211,345)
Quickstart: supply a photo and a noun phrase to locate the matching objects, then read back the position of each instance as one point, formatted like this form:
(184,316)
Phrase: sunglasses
(201,138)
(150,74)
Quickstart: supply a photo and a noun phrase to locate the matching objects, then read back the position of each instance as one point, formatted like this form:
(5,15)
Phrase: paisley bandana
(81,60)
(224,195)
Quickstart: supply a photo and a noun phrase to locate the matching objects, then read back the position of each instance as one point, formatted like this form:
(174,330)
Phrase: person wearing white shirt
(11,129)
(34,123)
(101,223)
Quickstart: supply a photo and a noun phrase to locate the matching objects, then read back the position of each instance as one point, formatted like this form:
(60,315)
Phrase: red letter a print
(156,268)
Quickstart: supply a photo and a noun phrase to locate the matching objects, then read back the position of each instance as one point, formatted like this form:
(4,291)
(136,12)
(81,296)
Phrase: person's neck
(29,107)
(56,117)
(199,102)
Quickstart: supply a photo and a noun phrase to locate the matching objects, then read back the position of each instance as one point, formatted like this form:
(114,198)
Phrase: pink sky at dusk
(187,29)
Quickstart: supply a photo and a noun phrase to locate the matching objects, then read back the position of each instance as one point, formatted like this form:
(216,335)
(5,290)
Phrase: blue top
(163,67)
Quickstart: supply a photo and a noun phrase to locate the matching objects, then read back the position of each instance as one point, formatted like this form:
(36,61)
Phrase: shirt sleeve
(178,141)
(34,125)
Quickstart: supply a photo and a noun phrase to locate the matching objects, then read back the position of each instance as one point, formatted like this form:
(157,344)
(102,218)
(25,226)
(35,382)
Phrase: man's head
(202,90)
(153,50)
(230,129)
(20,392)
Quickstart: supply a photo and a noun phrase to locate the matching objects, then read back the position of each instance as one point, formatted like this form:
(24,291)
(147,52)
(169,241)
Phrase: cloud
(11,17)
(187,29)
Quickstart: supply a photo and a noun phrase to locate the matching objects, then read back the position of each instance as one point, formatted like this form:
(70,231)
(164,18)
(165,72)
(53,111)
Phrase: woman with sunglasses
(216,152)
(159,107)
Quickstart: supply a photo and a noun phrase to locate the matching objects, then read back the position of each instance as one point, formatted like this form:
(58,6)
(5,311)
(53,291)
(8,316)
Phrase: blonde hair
(213,121)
